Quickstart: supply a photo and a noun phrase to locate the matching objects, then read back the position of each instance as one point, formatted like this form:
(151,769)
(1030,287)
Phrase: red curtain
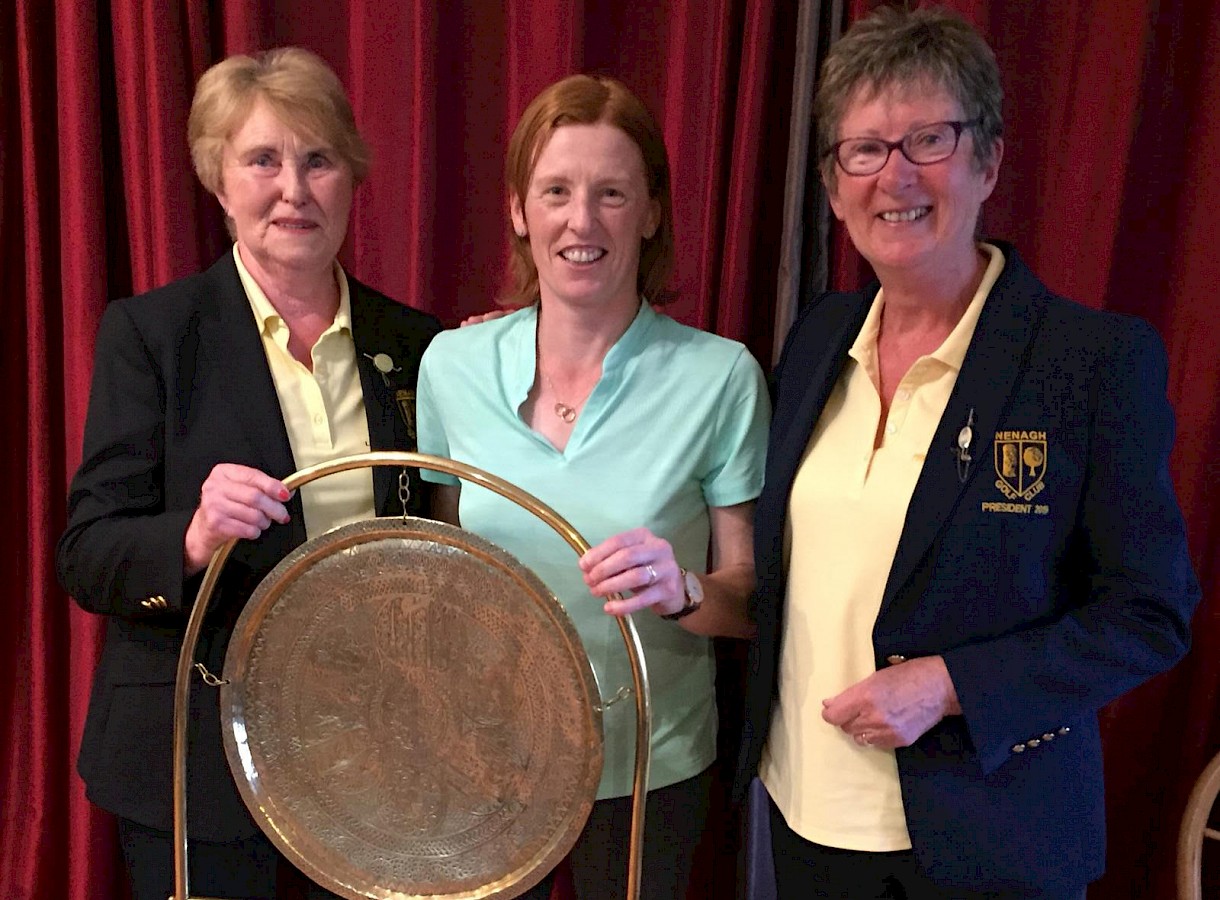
(98,200)
(1108,189)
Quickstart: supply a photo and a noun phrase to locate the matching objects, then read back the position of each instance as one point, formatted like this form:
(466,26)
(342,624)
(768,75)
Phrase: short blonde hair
(302,91)
(589,100)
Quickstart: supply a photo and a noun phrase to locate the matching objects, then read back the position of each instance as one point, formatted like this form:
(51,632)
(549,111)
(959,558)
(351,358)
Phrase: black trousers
(243,870)
(804,869)
(247,869)
(674,818)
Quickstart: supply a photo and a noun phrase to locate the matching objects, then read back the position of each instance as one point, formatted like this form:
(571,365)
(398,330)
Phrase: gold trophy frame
(467,473)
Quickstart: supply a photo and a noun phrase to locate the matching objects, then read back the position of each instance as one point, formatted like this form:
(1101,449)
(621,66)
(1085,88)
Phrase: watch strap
(689,605)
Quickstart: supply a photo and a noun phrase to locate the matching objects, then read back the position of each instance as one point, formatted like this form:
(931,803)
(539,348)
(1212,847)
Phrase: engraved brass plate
(409,713)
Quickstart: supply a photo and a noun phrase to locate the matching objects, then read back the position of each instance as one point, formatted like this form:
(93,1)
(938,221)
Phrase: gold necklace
(565,411)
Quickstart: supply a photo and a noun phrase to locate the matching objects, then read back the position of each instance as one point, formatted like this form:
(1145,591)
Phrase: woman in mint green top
(647,435)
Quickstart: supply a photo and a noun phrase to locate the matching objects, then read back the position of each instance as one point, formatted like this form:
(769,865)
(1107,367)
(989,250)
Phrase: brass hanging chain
(404,492)
(208,678)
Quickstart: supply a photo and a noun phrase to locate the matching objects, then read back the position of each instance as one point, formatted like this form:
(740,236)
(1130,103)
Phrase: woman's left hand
(894,706)
(480,318)
(638,563)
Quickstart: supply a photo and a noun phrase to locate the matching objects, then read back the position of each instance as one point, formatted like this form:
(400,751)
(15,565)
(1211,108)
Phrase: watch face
(694,589)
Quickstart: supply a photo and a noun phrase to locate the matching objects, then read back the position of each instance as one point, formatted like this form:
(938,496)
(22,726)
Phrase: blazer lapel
(825,363)
(233,339)
(387,429)
(997,358)
(237,359)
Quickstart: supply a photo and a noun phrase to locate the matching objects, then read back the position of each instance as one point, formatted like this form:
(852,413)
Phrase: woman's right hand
(639,562)
(234,502)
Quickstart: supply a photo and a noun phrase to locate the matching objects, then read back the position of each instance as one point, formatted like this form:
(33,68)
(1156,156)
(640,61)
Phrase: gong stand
(353,540)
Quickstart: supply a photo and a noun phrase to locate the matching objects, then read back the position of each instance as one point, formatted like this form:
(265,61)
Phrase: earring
(521,232)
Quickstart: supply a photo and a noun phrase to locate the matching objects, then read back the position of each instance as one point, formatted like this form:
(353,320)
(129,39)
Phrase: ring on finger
(652,575)
(865,738)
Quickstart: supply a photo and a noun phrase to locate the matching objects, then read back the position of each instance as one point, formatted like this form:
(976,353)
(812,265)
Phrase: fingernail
(285,493)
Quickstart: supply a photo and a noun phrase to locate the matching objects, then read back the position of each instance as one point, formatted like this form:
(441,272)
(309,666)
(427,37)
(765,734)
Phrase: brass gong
(408,711)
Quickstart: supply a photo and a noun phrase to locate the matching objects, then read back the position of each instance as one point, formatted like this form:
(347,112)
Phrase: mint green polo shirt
(677,424)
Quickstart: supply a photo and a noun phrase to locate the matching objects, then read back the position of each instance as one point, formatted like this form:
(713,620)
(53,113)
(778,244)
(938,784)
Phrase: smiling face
(586,212)
(910,219)
(287,195)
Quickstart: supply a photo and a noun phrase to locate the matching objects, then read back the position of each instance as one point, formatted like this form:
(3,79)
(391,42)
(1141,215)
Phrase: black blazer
(1050,588)
(181,383)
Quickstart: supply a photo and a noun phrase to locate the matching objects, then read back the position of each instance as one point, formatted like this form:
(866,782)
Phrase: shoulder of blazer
(834,308)
(217,289)
(372,308)
(823,318)
(383,325)
(1064,321)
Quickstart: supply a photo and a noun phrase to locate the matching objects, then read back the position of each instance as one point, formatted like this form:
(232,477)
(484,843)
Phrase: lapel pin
(964,439)
(384,364)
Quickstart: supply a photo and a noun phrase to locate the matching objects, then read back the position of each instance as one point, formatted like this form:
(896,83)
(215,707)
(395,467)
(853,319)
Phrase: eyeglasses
(923,146)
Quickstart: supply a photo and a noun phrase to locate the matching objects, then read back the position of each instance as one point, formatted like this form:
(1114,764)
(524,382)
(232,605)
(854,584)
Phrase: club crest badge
(1020,463)
(406,406)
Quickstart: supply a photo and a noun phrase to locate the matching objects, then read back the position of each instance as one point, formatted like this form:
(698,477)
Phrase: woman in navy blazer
(206,392)
(968,541)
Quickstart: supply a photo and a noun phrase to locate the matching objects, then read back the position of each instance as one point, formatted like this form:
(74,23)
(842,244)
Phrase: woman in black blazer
(206,392)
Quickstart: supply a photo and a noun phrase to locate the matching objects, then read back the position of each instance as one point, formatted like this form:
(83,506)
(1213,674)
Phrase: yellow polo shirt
(323,410)
(845,515)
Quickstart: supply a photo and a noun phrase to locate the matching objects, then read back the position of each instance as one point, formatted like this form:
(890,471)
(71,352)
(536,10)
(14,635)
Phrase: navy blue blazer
(1052,579)
(181,383)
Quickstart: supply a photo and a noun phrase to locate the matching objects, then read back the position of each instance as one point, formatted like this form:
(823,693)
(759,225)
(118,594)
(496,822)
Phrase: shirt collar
(269,320)
(525,356)
(952,351)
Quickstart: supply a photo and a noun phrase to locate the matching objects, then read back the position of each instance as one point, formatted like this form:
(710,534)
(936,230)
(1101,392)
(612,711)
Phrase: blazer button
(1049,736)
(147,604)
(895,658)
(1064,730)
(1032,743)
(1018,748)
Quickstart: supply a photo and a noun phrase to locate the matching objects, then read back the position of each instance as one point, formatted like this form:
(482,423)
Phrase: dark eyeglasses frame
(900,145)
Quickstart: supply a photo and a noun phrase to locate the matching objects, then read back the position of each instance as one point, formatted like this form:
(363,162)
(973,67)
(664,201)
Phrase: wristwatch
(694,596)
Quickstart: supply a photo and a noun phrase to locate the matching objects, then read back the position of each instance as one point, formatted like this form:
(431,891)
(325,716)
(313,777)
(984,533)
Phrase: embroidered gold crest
(1020,463)
(406,406)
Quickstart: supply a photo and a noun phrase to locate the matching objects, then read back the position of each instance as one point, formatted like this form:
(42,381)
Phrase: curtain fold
(44,213)
(800,177)
(396,91)
(767,58)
